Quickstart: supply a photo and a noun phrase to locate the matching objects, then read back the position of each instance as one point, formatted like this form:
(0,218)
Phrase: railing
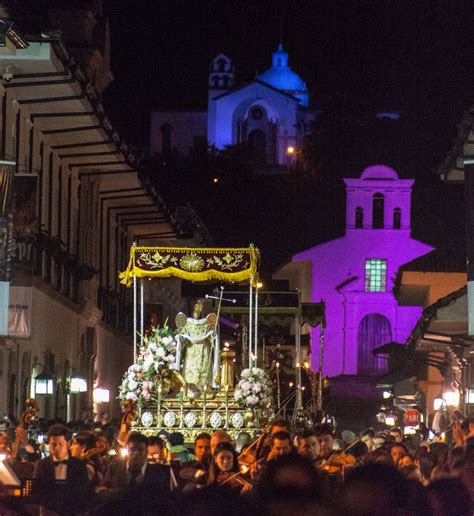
(117,309)
(188,224)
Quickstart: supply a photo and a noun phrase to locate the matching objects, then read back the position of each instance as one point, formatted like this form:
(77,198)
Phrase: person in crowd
(219,436)
(367,437)
(448,496)
(224,469)
(395,434)
(378,490)
(202,446)
(280,425)
(83,447)
(397,451)
(326,441)
(280,445)
(263,444)
(157,451)
(243,440)
(5,445)
(135,471)
(307,445)
(289,484)
(60,465)
(102,444)
(178,450)
(192,471)
(378,456)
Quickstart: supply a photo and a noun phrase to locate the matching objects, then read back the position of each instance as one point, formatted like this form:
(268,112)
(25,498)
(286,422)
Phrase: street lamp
(78,384)
(101,395)
(451,397)
(44,384)
(438,402)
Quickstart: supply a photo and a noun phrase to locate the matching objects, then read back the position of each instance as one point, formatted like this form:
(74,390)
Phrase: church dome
(283,78)
(381,172)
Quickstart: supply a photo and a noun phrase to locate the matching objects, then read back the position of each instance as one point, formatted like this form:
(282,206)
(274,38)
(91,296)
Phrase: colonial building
(77,203)
(354,275)
(270,113)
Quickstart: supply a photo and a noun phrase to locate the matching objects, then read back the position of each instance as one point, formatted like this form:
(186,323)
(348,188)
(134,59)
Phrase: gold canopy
(194,264)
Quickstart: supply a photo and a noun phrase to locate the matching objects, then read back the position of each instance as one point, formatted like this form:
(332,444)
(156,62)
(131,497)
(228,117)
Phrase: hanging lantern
(438,402)
(451,397)
(78,384)
(101,395)
(44,384)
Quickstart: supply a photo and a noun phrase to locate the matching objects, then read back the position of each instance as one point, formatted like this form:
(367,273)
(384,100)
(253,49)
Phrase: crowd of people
(83,469)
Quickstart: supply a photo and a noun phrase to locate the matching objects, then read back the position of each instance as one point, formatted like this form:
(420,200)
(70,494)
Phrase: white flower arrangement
(253,389)
(156,356)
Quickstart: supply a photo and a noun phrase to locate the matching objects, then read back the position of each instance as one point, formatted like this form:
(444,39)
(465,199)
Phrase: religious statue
(198,342)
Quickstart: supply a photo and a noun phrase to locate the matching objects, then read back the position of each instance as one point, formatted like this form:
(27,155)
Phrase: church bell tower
(221,75)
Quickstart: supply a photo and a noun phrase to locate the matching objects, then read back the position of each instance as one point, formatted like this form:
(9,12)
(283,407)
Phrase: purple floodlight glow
(354,274)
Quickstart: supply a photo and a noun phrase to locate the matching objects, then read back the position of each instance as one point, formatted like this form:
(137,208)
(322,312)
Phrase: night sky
(412,56)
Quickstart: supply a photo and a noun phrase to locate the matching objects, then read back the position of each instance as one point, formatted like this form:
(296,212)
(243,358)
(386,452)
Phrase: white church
(270,113)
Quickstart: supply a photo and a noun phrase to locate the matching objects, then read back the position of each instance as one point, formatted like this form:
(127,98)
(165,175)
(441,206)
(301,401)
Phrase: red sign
(411,417)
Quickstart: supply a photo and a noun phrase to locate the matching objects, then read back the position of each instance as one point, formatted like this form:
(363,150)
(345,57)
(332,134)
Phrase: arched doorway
(374,331)
(258,141)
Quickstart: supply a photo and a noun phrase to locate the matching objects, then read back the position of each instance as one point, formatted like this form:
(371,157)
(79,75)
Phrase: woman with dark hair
(83,446)
(225,469)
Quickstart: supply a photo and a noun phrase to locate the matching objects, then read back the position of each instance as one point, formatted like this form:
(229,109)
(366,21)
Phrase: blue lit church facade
(270,113)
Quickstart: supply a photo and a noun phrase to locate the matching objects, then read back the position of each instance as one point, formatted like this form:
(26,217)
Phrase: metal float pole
(321,354)
(250,323)
(134,319)
(142,311)
(256,326)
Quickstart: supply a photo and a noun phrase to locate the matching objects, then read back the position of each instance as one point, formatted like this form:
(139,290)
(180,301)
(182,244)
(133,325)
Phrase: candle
(181,402)
(278,385)
(159,406)
(227,406)
(204,394)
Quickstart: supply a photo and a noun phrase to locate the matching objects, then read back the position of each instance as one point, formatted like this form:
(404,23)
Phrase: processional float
(174,383)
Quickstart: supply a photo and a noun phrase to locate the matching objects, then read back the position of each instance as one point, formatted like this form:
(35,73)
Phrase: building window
(375,275)
(359,218)
(377,211)
(257,113)
(397,218)
(221,65)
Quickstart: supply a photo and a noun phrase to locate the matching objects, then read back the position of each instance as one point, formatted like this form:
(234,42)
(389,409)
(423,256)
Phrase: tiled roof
(452,259)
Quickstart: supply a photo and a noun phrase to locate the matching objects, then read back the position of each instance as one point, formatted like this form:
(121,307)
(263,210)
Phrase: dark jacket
(156,476)
(71,495)
(76,470)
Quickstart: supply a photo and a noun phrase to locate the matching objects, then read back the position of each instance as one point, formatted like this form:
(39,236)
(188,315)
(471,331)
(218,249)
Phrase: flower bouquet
(156,357)
(254,389)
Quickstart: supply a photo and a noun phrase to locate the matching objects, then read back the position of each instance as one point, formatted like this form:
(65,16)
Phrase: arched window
(374,331)
(221,65)
(279,61)
(215,81)
(359,218)
(258,141)
(377,211)
(397,218)
(225,81)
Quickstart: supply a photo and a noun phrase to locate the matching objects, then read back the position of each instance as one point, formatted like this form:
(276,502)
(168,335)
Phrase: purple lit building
(354,275)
